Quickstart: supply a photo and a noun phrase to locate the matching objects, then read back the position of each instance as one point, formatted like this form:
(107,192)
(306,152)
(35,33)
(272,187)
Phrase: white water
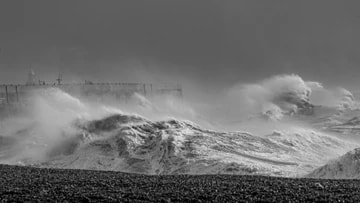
(344,167)
(163,136)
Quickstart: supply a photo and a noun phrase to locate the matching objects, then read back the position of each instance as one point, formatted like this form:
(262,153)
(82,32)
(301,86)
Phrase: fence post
(17,93)
(7,94)
(151,89)
(180,91)
(144,85)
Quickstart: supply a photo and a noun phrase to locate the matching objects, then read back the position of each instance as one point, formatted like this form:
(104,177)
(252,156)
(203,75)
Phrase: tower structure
(31,78)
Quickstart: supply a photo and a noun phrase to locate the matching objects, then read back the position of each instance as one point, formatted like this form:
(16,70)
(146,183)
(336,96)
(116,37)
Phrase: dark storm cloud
(211,42)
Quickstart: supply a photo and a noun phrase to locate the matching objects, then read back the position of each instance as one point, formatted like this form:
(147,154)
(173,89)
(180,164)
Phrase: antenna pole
(59,79)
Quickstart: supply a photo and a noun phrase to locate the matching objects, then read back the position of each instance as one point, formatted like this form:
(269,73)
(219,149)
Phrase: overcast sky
(211,44)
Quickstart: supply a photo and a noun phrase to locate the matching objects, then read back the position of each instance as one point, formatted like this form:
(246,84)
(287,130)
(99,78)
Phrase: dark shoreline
(18,183)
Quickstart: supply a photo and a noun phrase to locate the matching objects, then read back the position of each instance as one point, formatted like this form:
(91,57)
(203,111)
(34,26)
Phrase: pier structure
(17,93)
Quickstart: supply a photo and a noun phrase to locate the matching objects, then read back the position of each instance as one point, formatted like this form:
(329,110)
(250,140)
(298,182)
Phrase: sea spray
(56,131)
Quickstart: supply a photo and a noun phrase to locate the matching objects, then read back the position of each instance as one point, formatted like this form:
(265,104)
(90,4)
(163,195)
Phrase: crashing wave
(134,144)
(287,95)
(345,167)
(64,132)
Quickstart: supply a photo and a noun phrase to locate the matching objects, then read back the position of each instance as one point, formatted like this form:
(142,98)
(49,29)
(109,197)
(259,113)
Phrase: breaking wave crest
(60,130)
(282,95)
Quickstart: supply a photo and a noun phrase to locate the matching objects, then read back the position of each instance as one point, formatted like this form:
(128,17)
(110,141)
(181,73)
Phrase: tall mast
(59,79)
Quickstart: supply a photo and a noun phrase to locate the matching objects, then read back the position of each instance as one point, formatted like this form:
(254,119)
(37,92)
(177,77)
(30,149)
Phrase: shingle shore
(48,185)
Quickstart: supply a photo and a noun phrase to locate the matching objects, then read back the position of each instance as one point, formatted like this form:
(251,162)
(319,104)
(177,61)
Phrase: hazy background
(206,45)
